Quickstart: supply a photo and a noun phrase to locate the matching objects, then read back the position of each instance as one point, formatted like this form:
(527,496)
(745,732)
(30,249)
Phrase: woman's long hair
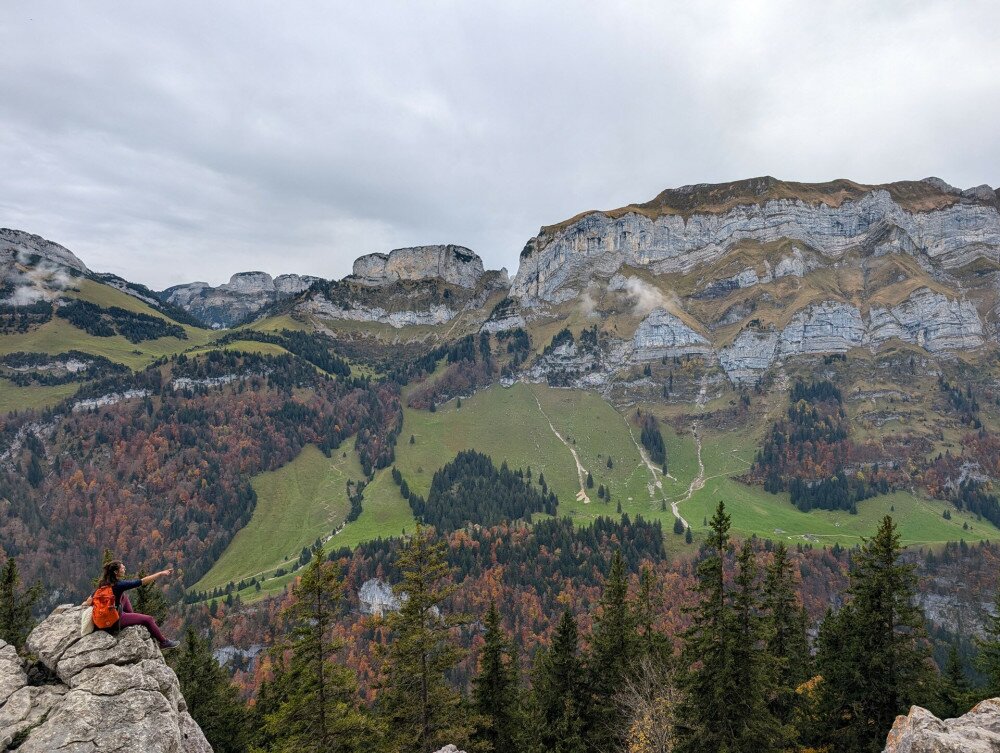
(110,575)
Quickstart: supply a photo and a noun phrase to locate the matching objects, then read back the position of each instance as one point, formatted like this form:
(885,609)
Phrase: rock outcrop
(664,334)
(246,294)
(455,265)
(922,732)
(376,597)
(676,234)
(404,289)
(33,270)
(18,246)
(93,693)
(926,318)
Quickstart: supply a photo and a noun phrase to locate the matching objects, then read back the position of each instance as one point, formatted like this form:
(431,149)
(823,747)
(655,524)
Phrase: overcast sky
(177,141)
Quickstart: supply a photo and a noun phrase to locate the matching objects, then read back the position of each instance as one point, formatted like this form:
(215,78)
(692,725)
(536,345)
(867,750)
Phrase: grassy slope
(296,504)
(58,335)
(507,424)
(14,398)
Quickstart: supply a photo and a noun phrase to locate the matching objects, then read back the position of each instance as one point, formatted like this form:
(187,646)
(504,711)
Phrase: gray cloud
(169,142)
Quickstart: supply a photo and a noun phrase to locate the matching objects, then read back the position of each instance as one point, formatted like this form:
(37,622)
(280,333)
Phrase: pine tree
(688,536)
(495,691)
(724,670)
(614,648)
(270,696)
(873,656)
(787,645)
(706,655)
(753,725)
(422,711)
(953,688)
(988,658)
(149,599)
(651,643)
(16,605)
(212,699)
(558,693)
(319,712)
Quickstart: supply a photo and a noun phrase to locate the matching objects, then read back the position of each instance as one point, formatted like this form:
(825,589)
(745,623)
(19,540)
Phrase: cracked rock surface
(109,693)
(922,732)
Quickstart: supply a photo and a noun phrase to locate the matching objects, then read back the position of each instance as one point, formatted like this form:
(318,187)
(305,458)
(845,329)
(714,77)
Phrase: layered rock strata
(926,318)
(455,265)
(958,228)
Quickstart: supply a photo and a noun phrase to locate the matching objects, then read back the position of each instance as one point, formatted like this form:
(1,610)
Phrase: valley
(640,361)
(516,425)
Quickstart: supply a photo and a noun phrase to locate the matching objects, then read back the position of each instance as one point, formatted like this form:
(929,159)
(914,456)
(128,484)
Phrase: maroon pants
(129,618)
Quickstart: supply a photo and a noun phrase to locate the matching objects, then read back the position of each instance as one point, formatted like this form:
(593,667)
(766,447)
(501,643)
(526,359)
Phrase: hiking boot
(170,644)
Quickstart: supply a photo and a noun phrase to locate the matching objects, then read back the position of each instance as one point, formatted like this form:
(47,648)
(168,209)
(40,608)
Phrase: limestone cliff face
(761,271)
(455,265)
(16,245)
(244,295)
(955,229)
(34,270)
(926,318)
(407,296)
(96,693)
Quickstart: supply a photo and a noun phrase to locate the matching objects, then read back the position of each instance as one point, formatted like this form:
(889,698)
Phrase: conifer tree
(753,725)
(706,678)
(953,688)
(723,669)
(270,696)
(988,658)
(787,645)
(319,712)
(495,689)
(16,604)
(149,599)
(212,699)
(614,648)
(558,693)
(651,643)
(873,656)
(422,711)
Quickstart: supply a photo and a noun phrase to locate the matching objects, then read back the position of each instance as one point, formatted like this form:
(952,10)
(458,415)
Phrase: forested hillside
(157,463)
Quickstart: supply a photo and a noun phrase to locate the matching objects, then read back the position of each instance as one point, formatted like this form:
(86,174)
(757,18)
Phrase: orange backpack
(105,611)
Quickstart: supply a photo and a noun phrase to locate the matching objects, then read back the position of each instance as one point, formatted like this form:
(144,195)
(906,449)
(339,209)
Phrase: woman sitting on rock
(112,607)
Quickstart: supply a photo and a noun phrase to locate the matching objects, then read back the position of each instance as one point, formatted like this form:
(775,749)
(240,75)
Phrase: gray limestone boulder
(114,692)
(921,732)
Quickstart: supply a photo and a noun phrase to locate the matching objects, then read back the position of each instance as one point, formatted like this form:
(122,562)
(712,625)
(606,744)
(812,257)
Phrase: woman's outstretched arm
(154,576)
